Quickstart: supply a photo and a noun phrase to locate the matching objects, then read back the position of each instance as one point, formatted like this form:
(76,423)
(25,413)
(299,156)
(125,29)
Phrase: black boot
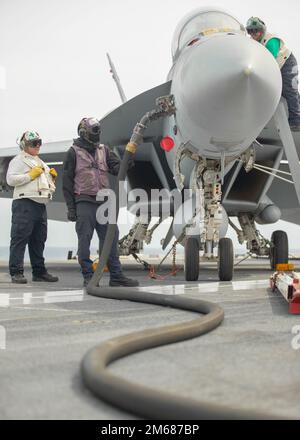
(18,278)
(45,277)
(123,281)
(87,279)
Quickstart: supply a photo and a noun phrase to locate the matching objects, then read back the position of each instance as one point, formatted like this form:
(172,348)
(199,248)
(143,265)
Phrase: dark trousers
(86,224)
(29,226)
(290,91)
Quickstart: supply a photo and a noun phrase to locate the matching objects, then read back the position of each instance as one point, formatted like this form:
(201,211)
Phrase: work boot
(123,281)
(45,277)
(295,127)
(18,278)
(87,279)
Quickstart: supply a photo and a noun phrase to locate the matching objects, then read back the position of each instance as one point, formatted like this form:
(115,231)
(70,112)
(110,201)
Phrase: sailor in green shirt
(257,29)
(273,45)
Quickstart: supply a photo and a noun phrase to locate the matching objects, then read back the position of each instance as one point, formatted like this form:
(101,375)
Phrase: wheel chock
(288,285)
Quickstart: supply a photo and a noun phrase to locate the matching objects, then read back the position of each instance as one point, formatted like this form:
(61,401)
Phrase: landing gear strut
(207,177)
(277,249)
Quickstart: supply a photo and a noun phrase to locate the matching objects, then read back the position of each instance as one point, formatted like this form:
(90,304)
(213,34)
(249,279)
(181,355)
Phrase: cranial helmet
(255,24)
(30,139)
(89,130)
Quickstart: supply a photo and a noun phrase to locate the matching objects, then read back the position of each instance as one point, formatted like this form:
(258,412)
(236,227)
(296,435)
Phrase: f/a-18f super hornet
(228,138)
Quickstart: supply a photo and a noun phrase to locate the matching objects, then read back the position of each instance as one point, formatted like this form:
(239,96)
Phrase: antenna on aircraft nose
(116,79)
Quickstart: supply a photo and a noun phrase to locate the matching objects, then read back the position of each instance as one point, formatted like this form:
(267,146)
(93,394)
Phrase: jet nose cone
(229,86)
(248,70)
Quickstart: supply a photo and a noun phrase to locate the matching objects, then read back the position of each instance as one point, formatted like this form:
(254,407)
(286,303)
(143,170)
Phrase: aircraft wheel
(191,259)
(225,259)
(279,251)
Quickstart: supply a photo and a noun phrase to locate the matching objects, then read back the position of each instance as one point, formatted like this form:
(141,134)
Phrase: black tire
(191,259)
(279,252)
(225,259)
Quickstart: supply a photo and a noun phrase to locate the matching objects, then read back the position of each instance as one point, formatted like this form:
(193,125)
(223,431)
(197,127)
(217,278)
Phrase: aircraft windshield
(203,23)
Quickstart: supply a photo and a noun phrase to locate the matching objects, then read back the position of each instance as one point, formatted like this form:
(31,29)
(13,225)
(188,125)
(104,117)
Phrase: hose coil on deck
(138,399)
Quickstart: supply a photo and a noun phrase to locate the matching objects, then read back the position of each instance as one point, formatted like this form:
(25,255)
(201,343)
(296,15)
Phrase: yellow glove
(53,173)
(35,172)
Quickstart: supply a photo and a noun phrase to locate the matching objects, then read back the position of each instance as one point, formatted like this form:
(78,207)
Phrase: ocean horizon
(61,253)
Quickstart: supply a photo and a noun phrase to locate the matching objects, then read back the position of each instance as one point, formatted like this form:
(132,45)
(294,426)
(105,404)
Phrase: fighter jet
(226,141)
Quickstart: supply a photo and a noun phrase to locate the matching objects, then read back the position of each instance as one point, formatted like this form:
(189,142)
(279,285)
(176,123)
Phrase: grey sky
(53,57)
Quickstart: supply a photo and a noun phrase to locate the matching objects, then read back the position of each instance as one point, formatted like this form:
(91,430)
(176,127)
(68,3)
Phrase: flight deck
(251,361)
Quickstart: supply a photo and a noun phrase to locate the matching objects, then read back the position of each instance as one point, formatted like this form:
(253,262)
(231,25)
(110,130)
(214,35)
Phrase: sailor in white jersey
(34,185)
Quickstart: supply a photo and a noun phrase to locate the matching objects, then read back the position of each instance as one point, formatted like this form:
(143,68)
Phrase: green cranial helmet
(255,24)
(30,138)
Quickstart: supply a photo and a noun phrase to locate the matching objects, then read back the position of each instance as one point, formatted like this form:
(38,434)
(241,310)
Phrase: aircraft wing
(283,194)
(270,135)
(117,125)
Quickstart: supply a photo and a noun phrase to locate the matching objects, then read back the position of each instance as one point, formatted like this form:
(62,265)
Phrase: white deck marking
(217,287)
(30,298)
(21,298)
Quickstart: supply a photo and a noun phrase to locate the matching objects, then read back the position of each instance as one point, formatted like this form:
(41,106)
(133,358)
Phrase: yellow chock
(285,267)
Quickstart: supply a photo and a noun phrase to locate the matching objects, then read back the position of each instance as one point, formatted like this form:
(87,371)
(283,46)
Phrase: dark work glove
(131,163)
(72,217)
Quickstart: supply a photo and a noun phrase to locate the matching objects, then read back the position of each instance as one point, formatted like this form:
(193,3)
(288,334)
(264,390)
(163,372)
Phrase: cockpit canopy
(201,22)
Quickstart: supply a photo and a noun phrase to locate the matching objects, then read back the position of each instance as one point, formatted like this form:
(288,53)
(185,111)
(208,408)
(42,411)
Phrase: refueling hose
(138,399)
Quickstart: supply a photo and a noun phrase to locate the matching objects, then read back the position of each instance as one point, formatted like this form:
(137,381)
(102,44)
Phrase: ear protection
(22,142)
(82,132)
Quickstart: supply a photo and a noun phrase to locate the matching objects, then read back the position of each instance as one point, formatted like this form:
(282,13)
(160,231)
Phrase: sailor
(33,183)
(86,169)
(287,64)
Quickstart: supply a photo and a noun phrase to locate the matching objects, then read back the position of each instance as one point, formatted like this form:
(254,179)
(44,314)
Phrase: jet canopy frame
(201,22)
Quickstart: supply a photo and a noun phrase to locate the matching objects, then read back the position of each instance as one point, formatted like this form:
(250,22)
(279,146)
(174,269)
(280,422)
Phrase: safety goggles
(36,143)
(96,129)
(252,31)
